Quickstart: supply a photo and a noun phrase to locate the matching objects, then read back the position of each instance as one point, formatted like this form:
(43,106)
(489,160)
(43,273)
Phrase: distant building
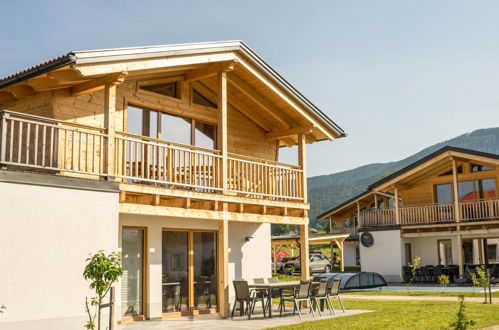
(442,208)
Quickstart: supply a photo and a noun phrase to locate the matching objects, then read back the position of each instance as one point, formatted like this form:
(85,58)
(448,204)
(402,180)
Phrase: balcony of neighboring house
(352,230)
(471,212)
(38,144)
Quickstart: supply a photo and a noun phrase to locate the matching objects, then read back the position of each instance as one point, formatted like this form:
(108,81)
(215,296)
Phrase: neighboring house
(168,154)
(442,208)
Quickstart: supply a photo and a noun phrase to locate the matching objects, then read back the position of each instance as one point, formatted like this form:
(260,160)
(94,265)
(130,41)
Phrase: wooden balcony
(346,230)
(33,143)
(472,211)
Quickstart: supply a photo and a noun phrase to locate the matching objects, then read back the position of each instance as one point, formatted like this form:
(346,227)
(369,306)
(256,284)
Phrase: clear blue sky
(396,75)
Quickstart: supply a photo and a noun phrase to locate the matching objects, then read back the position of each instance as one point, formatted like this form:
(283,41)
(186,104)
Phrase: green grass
(405,315)
(419,293)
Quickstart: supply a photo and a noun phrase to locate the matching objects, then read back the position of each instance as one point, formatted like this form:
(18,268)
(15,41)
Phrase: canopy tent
(293,241)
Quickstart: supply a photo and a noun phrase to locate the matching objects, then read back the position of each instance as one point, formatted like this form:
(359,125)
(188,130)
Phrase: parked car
(318,263)
(281,262)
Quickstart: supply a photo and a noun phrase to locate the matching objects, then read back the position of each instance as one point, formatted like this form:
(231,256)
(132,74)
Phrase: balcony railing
(479,210)
(37,143)
(345,230)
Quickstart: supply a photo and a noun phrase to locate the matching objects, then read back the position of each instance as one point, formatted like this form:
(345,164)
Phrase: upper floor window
(160,125)
(443,193)
(459,171)
(167,89)
(478,168)
(346,223)
(200,99)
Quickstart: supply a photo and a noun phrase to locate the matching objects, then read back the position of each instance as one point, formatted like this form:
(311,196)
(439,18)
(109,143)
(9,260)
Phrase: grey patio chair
(322,294)
(303,294)
(335,292)
(245,295)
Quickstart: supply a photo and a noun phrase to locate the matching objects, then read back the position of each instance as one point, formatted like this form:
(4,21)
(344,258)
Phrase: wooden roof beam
(287,133)
(19,91)
(273,111)
(209,71)
(66,76)
(7,97)
(98,84)
(237,104)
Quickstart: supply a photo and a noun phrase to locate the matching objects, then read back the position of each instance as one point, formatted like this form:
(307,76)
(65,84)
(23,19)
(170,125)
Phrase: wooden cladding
(31,142)
(478,210)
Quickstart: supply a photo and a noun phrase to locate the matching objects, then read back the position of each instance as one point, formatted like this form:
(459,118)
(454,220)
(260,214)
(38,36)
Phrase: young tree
(413,267)
(102,271)
(444,281)
(481,279)
(461,322)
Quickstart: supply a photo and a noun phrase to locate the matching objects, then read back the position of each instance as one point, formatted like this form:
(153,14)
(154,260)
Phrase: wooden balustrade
(377,218)
(264,180)
(149,160)
(45,144)
(425,214)
(55,146)
(479,210)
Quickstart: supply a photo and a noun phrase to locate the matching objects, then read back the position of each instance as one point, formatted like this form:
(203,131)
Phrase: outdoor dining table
(269,287)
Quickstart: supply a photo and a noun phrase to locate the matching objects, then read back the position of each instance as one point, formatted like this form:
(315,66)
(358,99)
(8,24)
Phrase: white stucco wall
(249,259)
(385,256)
(46,233)
(350,253)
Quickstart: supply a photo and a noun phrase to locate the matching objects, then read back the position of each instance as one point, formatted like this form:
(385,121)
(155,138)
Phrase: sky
(397,76)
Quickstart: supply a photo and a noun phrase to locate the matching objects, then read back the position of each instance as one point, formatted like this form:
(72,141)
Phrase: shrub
(443,280)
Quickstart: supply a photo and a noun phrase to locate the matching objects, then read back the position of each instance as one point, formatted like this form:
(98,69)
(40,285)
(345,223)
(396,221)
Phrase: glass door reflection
(175,271)
(205,279)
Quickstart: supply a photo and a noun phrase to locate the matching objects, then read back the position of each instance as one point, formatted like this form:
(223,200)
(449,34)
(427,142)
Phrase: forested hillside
(327,191)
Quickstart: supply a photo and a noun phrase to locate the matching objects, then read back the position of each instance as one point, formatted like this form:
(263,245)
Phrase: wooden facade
(71,117)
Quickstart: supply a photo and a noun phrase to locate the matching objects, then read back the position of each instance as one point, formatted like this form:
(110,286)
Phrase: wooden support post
(396,202)
(223,271)
(359,220)
(457,213)
(222,127)
(304,257)
(302,161)
(3,136)
(460,254)
(375,200)
(342,257)
(109,125)
(190,273)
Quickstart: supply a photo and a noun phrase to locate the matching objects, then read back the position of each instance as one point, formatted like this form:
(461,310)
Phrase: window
(346,223)
(478,168)
(459,171)
(132,281)
(477,189)
(407,253)
(444,252)
(390,203)
(198,98)
(492,252)
(443,193)
(381,203)
(168,89)
(160,125)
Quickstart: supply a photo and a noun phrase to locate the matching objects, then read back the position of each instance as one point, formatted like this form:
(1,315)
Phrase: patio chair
(303,294)
(465,278)
(335,292)
(322,294)
(245,295)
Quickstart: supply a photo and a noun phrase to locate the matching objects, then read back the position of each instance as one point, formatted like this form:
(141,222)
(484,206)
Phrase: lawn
(406,315)
(419,293)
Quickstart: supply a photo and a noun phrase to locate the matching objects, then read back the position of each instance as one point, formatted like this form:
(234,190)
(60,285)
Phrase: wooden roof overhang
(436,163)
(293,240)
(255,89)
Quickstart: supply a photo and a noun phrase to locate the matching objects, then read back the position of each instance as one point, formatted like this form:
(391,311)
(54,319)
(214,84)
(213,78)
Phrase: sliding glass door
(189,271)
(132,283)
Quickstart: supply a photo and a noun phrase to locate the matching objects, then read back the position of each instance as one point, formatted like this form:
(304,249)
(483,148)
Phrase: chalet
(168,154)
(442,208)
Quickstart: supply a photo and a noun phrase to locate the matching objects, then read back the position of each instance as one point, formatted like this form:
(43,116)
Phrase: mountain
(327,191)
